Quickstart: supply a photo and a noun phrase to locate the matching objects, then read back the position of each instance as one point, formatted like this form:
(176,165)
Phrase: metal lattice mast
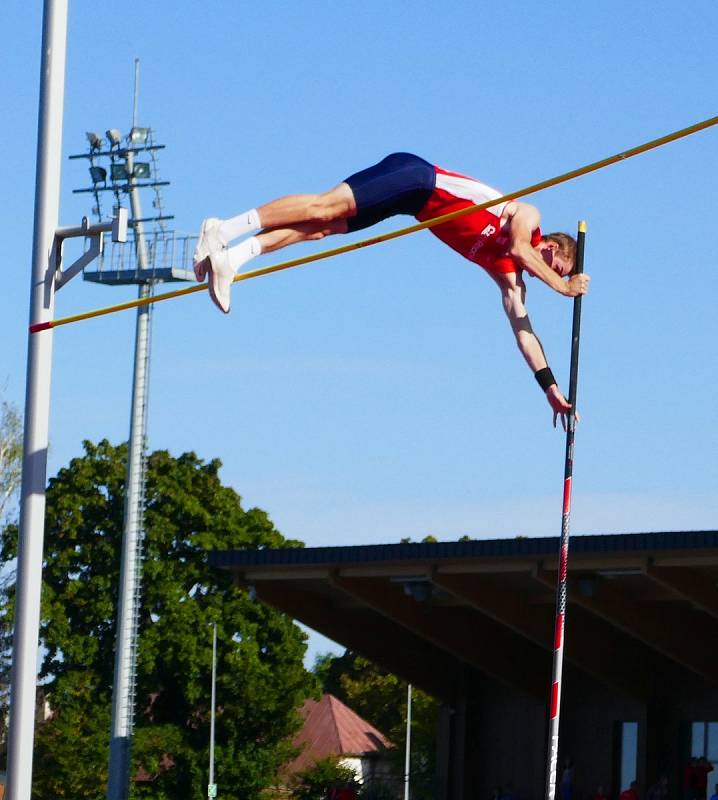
(129,599)
(124,687)
(127,176)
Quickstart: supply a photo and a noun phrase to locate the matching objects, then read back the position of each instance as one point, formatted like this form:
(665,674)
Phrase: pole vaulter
(243,276)
(560,623)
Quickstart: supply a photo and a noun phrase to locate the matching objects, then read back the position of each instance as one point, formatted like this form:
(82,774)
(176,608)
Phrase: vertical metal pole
(37,404)
(135,204)
(211,789)
(136,207)
(128,605)
(560,624)
(136,94)
(407,758)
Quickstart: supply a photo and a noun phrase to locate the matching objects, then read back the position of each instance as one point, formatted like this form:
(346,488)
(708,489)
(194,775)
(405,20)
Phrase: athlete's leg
(400,184)
(276,238)
(337,203)
(215,234)
(221,265)
(273,239)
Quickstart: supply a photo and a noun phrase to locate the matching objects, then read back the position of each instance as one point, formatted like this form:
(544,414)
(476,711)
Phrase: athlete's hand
(577,284)
(559,404)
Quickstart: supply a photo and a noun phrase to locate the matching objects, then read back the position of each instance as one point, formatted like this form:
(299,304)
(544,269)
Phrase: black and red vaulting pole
(560,624)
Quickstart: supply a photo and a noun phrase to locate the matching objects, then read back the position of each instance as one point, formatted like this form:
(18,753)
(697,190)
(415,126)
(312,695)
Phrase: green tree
(316,782)
(261,680)
(380,697)
(10,454)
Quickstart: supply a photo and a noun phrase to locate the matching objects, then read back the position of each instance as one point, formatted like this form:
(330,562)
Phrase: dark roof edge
(539,546)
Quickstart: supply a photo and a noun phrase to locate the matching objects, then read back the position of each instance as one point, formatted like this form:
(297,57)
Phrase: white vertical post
(37,404)
(135,203)
(136,95)
(407,758)
(212,789)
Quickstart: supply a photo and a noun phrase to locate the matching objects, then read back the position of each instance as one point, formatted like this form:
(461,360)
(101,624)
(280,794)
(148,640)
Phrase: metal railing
(168,252)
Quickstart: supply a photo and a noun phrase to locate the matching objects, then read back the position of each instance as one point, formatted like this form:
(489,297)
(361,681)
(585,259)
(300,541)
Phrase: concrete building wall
(506,742)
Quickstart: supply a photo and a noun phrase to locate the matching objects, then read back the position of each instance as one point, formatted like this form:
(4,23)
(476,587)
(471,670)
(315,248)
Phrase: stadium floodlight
(98,174)
(141,170)
(95,140)
(139,135)
(119,172)
(114,136)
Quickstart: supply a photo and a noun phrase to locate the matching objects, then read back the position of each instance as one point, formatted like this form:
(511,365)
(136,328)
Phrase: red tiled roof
(333,729)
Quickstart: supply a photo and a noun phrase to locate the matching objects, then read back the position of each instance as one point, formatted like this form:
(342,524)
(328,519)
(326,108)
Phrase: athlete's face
(558,263)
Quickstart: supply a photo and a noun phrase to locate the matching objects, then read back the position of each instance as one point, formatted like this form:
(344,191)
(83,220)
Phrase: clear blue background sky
(380,395)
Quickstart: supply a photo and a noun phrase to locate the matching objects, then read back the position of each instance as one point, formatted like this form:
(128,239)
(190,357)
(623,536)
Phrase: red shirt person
(700,777)
(631,793)
(504,239)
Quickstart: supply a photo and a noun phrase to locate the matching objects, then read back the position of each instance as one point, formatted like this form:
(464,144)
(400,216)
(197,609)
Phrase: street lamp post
(212,786)
(407,757)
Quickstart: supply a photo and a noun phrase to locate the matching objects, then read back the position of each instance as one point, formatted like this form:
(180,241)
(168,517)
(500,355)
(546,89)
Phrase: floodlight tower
(146,267)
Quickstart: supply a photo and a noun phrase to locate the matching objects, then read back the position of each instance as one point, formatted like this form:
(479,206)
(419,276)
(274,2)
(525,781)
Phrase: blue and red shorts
(399,184)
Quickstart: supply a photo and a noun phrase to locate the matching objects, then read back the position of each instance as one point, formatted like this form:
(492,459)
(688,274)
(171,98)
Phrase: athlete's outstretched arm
(523,222)
(513,298)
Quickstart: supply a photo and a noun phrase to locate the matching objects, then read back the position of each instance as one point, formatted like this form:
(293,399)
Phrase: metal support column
(37,403)
(212,786)
(128,604)
(407,752)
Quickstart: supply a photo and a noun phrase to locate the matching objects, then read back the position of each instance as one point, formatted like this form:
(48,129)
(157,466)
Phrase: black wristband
(544,378)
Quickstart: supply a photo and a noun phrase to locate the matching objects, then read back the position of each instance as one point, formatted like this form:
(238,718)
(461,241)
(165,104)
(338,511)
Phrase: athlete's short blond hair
(566,245)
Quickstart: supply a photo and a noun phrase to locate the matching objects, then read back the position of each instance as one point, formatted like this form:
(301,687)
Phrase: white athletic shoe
(221,277)
(209,241)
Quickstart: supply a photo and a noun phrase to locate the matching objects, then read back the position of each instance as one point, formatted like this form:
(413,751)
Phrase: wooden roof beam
(475,640)
(672,633)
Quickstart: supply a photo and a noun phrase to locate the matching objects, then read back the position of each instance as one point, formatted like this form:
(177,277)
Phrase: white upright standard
(37,404)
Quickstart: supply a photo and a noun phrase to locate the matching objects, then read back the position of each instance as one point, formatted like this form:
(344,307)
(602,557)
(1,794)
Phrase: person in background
(599,794)
(659,790)
(631,793)
(701,770)
(565,787)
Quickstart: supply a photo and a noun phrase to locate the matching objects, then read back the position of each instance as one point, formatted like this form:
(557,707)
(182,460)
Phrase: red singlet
(478,236)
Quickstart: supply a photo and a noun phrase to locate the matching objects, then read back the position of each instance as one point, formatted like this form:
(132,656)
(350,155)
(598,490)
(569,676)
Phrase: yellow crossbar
(245,276)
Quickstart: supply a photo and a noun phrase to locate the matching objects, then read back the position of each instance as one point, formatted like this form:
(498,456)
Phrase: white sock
(233,228)
(243,252)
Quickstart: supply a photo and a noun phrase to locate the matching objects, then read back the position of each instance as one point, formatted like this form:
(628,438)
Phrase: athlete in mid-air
(504,239)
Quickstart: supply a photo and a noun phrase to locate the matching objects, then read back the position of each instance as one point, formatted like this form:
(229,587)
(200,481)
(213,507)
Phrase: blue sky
(380,395)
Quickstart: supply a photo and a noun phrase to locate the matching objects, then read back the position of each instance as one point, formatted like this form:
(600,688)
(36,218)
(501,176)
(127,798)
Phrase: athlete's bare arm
(513,298)
(523,220)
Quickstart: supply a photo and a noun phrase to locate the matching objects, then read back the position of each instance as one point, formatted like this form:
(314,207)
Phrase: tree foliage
(10,454)
(10,471)
(381,698)
(317,781)
(261,680)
